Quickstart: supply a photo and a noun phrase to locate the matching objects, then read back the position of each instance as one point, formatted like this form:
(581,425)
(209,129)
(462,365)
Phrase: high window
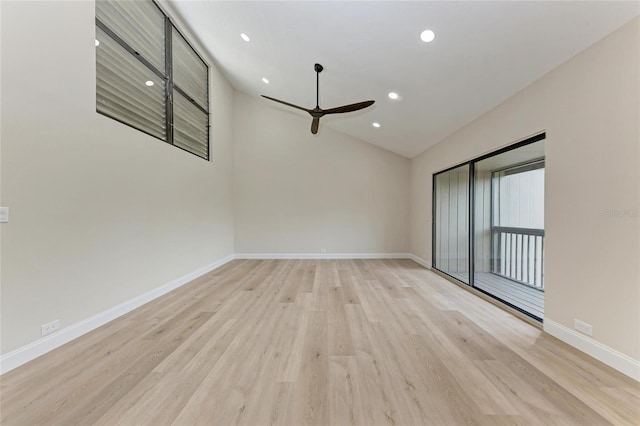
(149,77)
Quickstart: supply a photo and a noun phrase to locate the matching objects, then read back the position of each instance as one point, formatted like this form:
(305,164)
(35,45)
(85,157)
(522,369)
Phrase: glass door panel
(451,228)
(509,227)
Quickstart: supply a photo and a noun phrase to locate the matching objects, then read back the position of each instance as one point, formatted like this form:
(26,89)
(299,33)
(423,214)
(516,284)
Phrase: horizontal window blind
(189,126)
(149,77)
(122,91)
(189,72)
(140,24)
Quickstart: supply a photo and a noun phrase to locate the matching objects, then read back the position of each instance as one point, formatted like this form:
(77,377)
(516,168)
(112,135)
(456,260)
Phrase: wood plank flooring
(318,342)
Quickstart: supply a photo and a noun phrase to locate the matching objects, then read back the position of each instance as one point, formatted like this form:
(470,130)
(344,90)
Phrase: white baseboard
(420,260)
(322,256)
(48,343)
(611,357)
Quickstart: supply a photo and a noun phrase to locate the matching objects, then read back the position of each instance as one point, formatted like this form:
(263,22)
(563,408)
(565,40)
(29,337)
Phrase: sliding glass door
(489,225)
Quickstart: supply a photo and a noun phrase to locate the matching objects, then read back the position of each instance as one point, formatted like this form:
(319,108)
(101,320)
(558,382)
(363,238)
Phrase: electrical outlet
(583,327)
(50,327)
(323,250)
(4,214)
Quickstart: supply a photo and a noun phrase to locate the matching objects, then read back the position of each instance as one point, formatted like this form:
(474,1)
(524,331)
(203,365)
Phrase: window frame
(167,76)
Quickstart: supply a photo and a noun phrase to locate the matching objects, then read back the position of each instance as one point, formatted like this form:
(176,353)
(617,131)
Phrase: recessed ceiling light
(375,124)
(393,95)
(149,83)
(427,36)
(265,80)
(97,43)
(244,37)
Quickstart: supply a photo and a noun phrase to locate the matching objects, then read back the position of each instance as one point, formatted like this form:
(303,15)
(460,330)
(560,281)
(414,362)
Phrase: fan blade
(286,103)
(314,125)
(348,108)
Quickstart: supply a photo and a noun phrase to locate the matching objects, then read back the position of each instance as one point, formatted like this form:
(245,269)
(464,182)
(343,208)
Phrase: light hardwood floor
(341,342)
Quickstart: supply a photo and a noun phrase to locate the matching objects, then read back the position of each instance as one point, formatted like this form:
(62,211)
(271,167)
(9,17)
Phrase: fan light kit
(265,80)
(318,112)
(393,95)
(244,37)
(427,36)
(376,125)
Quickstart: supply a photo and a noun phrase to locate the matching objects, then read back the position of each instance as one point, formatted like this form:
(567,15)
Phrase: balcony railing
(518,255)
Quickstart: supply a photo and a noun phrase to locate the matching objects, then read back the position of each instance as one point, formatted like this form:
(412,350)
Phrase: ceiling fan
(318,112)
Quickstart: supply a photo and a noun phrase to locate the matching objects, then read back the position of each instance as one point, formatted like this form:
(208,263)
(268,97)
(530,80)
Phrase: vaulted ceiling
(483,52)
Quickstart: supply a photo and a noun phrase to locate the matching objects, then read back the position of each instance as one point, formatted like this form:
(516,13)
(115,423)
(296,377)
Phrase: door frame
(470,226)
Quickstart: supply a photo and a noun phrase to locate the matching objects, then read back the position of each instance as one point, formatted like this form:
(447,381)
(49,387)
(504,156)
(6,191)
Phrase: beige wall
(100,212)
(590,109)
(298,193)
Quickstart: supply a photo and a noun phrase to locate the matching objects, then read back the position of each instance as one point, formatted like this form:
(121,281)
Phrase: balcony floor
(522,296)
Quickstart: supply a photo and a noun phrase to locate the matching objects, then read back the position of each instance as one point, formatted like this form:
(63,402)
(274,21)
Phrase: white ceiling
(484,52)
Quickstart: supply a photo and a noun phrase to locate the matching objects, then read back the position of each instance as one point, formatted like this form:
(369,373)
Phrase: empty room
(319,212)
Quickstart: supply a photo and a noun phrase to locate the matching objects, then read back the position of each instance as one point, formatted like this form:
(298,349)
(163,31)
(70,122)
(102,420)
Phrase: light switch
(4,214)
